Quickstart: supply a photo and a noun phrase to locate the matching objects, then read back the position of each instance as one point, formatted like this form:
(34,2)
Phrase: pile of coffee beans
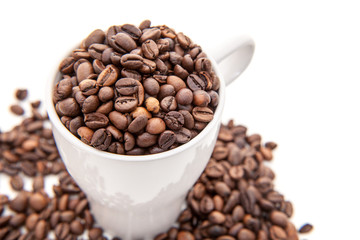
(136,89)
(233,199)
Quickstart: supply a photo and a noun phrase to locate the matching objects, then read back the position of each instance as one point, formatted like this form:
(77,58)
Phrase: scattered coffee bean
(305,228)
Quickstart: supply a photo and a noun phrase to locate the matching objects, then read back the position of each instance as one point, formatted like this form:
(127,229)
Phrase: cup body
(136,197)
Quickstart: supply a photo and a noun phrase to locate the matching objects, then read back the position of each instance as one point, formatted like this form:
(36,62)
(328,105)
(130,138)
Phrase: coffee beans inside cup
(136,89)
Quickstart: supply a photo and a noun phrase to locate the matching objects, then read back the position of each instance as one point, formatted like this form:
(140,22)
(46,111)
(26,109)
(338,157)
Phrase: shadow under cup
(135,197)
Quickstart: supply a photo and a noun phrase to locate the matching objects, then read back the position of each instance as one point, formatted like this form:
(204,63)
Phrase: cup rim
(56,123)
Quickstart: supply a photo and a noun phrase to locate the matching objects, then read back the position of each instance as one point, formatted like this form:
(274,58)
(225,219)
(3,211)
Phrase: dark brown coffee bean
(119,120)
(148,66)
(62,90)
(138,124)
(126,86)
(150,33)
(85,134)
(101,139)
(62,230)
(83,70)
(90,104)
(174,120)
(132,61)
(19,203)
(277,233)
(68,107)
(201,98)
(96,50)
(165,91)
(108,76)
(21,94)
(67,216)
(123,43)
(106,94)
(88,87)
(95,233)
(96,120)
(202,114)
(17,109)
(180,72)
(184,40)
(146,140)
(41,229)
(195,82)
(37,202)
(129,141)
(176,82)
(161,66)
(76,227)
(166,139)
(184,96)
(151,86)
(126,104)
(305,228)
(183,135)
(188,63)
(98,65)
(185,235)
(150,49)
(97,36)
(246,234)
(145,24)
(17,183)
(168,103)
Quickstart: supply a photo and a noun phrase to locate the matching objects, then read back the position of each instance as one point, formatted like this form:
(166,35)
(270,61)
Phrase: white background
(301,89)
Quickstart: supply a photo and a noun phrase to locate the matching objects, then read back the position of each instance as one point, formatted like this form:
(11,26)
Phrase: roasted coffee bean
(88,87)
(148,66)
(305,228)
(17,183)
(138,124)
(90,104)
(150,33)
(97,36)
(126,104)
(96,120)
(155,126)
(67,107)
(132,61)
(151,86)
(96,50)
(146,139)
(174,120)
(123,43)
(95,233)
(37,202)
(126,86)
(183,135)
(165,91)
(83,70)
(118,119)
(21,94)
(108,76)
(150,49)
(201,98)
(101,139)
(184,96)
(168,103)
(195,82)
(202,114)
(17,109)
(166,139)
(176,82)
(180,72)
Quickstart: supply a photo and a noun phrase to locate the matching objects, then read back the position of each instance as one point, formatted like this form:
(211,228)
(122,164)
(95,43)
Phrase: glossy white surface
(300,90)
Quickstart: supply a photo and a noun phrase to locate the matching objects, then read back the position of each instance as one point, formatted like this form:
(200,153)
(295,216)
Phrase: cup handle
(233,56)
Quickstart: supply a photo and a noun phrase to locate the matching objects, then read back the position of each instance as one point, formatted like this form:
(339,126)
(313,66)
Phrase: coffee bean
(183,135)
(148,66)
(305,228)
(126,104)
(166,139)
(83,71)
(174,120)
(76,227)
(90,104)
(118,119)
(19,203)
(17,109)
(101,139)
(108,76)
(202,114)
(184,96)
(88,87)
(151,86)
(37,202)
(146,139)
(138,124)
(68,107)
(96,50)
(123,43)
(126,86)
(195,82)
(95,233)
(168,104)
(201,98)
(150,49)
(41,229)
(97,36)
(17,183)
(132,61)
(96,120)
(62,230)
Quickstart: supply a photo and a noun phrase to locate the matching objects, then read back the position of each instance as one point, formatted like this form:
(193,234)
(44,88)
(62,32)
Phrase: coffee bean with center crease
(83,71)
(133,31)
(150,33)
(174,120)
(96,120)
(96,50)
(126,86)
(88,87)
(90,104)
(108,76)
(168,104)
(119,120)
(123,43)
(146,139)
(132,61)
(203,114)
(97,36)
(195,82)
(148,66)
(126,104)
(101,139)
(183,135)
(166,139)
(150,49)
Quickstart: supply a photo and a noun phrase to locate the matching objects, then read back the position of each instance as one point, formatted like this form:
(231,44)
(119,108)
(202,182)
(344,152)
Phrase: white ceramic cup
(137,197)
